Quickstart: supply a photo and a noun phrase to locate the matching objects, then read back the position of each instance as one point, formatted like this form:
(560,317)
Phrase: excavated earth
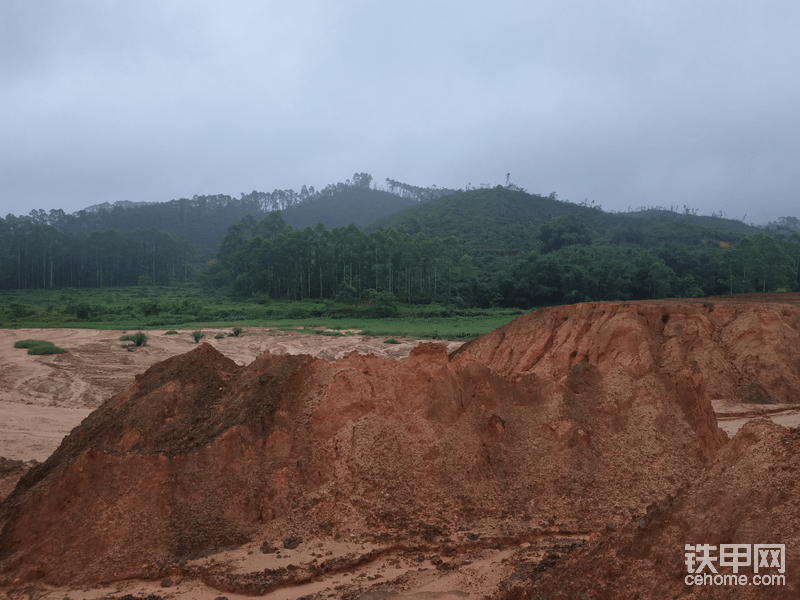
(748,495)
(536,461)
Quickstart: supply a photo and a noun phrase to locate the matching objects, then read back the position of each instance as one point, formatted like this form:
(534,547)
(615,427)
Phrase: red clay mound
(721,350)
(748,496)
(568,420)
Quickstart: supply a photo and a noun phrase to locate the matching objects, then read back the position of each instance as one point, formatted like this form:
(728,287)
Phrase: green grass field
(188,307)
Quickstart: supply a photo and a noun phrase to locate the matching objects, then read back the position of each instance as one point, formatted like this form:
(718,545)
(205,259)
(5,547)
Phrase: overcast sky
(631,103)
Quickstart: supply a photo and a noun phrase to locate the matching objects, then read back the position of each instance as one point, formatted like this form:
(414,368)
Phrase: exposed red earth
(482,473)
(748,495)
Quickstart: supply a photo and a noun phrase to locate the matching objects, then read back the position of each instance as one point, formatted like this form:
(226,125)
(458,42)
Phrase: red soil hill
(570,419)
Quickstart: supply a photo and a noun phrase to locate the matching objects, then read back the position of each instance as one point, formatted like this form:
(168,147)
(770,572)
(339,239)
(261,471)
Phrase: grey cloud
(626,103)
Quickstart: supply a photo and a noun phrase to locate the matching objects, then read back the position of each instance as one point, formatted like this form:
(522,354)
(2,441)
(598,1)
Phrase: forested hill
(488,221)
(204,220)
(490,246)
(358,205)
(504,247)
(499,221)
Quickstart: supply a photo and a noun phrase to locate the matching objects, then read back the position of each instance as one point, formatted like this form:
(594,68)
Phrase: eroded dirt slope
(747,496)
(200,453)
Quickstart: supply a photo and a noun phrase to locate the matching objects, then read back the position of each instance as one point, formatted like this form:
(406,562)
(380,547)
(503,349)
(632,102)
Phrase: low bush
(197,336)
(171,332)
(19,310)
(40,347)
(138,339)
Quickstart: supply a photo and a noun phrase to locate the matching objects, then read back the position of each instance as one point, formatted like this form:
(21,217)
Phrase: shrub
(171,332)
(197,336)
(40,347)
(237,331)
(150,308)
(219,336)
(391,341)
(18,310)
(138,339)
(83,311)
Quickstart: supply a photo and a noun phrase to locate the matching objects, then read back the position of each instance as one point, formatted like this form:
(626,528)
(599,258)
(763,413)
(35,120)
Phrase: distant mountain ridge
(204,220)
(499,217)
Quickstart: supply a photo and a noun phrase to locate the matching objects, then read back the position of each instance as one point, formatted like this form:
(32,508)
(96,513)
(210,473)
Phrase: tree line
(272,259)
(570,266)
(563,263)
(34,255)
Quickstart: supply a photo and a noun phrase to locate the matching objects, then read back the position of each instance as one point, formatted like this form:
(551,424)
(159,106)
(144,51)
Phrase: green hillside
(497,221)
(489,221)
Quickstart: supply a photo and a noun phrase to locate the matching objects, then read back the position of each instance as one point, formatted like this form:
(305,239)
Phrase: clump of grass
(331,333)
(40,347)
(237,331)
(197,336)
(219,336)
(171,332)
(138,339)
(391,341)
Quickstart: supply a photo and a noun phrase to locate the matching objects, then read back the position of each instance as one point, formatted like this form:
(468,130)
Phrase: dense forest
(352,242)
(504,247)
(43,256)
(274,259)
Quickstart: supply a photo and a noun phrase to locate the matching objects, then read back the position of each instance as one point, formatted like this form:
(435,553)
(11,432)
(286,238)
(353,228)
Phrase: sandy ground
(469,572)
(731,416)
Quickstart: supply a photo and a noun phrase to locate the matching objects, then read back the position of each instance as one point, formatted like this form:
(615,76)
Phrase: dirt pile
(747,496)
(717,350)
(566,422)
